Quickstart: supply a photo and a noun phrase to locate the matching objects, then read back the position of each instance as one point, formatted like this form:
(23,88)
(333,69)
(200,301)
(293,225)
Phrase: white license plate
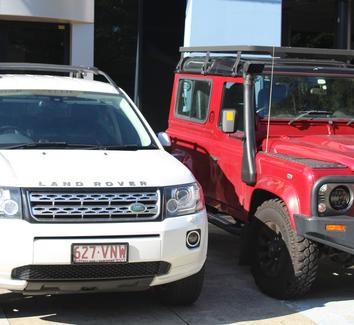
(100,253)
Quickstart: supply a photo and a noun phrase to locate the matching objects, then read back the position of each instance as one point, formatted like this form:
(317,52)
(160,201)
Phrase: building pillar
(82,44)
(343,33)
(138,58)
(349,33)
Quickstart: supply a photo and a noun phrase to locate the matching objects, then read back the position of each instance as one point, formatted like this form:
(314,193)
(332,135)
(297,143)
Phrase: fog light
(193,238)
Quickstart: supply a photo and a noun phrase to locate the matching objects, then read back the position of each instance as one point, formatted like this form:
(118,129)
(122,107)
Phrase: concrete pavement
(229,296)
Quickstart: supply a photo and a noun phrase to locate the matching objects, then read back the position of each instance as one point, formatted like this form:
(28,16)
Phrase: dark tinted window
(193,99)
(34,42)
(293,96)
(74,117)
(233,99)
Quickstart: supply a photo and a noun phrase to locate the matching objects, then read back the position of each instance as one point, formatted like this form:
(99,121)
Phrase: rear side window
(233,99)
(193,99)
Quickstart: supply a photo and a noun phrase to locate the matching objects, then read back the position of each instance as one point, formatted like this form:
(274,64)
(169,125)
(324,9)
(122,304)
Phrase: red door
(226,150)
(190,125)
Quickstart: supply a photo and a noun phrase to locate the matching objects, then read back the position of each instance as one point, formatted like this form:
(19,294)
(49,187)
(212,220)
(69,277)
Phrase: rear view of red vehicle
(269,134)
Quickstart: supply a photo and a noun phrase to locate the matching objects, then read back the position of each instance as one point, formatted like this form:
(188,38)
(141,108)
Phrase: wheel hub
(271,248)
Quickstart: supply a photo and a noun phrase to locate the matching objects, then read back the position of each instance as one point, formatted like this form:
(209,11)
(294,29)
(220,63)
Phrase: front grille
(94,206)
(74,272)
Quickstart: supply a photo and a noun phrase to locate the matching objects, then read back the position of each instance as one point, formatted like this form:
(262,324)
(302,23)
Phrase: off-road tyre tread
(304,254)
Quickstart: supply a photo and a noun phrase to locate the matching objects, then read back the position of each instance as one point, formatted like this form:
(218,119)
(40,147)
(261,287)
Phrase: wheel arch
(259,196)
(271,188)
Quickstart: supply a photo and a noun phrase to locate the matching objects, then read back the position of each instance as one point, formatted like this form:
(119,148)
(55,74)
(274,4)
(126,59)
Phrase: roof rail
(74,71)
(282,52)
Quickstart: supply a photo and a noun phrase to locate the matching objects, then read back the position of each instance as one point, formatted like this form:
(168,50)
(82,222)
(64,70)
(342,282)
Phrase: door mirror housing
(229,120)
(165,140)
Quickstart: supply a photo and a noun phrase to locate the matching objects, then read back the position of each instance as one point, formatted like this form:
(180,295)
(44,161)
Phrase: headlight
(10,203)
(340,198)
(183,199)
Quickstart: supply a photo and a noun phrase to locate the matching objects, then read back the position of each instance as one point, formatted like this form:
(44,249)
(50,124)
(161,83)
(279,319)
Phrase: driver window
(233,99)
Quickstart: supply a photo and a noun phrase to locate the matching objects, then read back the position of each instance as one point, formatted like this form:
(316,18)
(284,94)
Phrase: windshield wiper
(350,122)
(126,147)
(49,145)
(307,113)
(64,145)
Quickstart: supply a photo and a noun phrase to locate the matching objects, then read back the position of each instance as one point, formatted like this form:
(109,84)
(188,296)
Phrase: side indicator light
(340,228)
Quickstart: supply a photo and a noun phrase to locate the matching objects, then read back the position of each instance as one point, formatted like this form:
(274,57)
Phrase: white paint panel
(58,251)
(233,22)
(69,10)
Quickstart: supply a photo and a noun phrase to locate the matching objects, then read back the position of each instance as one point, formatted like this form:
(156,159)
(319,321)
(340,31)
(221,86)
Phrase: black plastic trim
(314,228)
(248,173)
(89,271)
(326,180)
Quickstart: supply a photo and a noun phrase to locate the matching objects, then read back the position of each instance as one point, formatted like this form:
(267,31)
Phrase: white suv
(89,199)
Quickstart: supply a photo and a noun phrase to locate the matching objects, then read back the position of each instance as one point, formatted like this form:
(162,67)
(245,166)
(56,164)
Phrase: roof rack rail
(74,71)
(282,52)
(287,55)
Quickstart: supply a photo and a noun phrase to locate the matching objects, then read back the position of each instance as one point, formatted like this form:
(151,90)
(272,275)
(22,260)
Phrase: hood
(331,148)
(91,168)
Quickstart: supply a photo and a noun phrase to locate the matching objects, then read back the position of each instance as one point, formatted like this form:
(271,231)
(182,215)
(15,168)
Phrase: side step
(225,222)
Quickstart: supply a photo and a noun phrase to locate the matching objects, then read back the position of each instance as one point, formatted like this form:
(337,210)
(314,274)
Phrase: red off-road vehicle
(269,134)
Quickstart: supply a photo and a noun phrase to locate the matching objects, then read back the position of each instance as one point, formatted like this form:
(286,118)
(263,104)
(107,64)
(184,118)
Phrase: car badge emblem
(137,208)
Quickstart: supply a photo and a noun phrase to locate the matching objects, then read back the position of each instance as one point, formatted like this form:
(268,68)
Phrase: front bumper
(314,228)
(25,244)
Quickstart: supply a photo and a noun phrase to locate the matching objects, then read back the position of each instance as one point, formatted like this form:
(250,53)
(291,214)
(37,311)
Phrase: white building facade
(233,22)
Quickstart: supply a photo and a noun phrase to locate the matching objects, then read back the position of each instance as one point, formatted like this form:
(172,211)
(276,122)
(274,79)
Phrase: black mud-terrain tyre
(284,265)
(182,292)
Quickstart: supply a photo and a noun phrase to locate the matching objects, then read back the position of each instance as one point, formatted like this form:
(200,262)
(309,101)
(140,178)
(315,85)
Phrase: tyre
(284,265)
(182,292)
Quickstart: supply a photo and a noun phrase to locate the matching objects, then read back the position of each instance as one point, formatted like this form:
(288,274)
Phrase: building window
(309,23)
(34,42)
(193,99)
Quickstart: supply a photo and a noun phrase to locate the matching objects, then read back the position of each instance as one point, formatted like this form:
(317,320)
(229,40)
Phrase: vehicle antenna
(270,98)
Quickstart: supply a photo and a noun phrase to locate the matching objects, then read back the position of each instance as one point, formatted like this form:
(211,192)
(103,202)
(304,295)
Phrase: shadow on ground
(229,296)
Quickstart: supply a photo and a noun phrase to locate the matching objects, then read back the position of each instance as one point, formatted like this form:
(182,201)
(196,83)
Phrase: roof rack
(282,52)
(74,71)
(287,54)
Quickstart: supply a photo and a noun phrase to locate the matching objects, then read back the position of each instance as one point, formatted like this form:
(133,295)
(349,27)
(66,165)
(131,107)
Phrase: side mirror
(229,120)
(165,140)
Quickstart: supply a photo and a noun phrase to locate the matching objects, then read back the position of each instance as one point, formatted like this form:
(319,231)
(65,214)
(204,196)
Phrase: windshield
(305,97)
(69,117)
